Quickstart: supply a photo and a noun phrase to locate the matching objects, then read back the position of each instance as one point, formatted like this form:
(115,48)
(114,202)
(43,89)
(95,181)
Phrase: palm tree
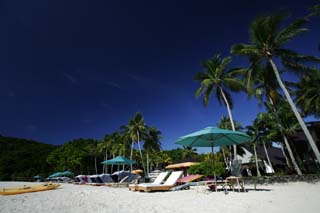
(152,143)
(136,129)
(285,127)
(266,43)
(307,93)
(254,133)
(226,124)
(103,147)
(189,153)
(262,122)
(215,77)
(93,150)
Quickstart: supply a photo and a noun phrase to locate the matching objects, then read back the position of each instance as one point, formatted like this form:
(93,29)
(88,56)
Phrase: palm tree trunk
(224,158)
(267,154)
(256,159)
(286,157)
(95,163)
(295,111)
(148,164)
(144,169)
(131,152)
(112,164)
(231,120)
(106,166)
(293,160)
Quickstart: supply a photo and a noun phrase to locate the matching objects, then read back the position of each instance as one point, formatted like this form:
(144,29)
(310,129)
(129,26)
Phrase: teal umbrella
(212,137)
(119,160)
(57,174)
(37,177)
(67,173)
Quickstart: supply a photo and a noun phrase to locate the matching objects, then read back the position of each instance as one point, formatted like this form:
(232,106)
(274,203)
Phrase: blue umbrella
(37,177)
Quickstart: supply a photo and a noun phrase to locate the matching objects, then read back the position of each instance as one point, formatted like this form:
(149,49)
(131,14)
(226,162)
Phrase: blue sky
(72,69)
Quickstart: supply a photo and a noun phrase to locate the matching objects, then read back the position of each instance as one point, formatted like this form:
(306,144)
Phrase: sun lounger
(189,178)
(158,180)
(168,184)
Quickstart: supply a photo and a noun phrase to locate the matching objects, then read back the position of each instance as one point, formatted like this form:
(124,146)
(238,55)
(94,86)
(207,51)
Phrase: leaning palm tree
(286,127)
(267,42)
(152,143)
(216,78)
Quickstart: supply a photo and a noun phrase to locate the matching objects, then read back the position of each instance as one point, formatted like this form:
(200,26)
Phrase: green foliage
(308,93)
(182,155)
(23,158)
(206,168)
(77,156)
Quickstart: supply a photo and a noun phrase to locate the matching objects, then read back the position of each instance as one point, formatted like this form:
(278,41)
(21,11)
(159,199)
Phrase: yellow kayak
(28,189)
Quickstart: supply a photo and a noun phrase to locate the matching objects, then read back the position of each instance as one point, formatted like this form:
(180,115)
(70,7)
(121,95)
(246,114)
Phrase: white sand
(292,197)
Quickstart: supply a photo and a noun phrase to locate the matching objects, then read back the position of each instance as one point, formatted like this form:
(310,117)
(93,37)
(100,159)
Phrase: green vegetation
(23,158)
(209,167)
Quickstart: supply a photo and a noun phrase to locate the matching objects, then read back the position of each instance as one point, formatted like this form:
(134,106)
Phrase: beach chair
(160,178)
(168,184)
(234,181)
(189,178)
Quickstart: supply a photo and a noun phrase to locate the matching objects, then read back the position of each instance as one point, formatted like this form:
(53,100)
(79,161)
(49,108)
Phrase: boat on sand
(28,189)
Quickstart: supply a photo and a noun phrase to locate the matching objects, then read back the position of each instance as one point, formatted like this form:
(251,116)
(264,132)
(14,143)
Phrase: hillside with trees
(23,158)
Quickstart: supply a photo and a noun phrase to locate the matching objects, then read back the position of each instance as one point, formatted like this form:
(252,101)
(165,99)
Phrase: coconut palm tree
(189,153)
(267,41)
(254,133)
(262,121)
(307,93)
(286,126)
(135,130)
(216,78)
(152,143)
(226,124)
(104,147)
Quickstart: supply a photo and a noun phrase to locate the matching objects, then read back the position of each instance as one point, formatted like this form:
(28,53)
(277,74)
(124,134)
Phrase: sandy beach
(290,197)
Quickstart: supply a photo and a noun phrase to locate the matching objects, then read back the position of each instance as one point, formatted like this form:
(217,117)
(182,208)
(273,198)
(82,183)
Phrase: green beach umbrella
(57,174)
(213,137)
(119,160)
(67,173)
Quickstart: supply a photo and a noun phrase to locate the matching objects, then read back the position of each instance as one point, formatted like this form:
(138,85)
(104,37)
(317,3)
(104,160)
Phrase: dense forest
(21,158)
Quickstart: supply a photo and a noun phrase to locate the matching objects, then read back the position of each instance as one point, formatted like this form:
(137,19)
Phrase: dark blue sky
(72,69)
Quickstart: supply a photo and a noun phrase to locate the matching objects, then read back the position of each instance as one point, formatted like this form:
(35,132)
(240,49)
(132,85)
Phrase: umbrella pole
(118,173)
(214,173)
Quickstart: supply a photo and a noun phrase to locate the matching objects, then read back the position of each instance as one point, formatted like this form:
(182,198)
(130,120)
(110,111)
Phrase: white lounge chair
(168,184)
(158,180)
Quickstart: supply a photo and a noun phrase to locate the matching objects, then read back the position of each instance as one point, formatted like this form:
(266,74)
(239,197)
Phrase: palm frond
(207,94)
(245,49)
(291,31)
